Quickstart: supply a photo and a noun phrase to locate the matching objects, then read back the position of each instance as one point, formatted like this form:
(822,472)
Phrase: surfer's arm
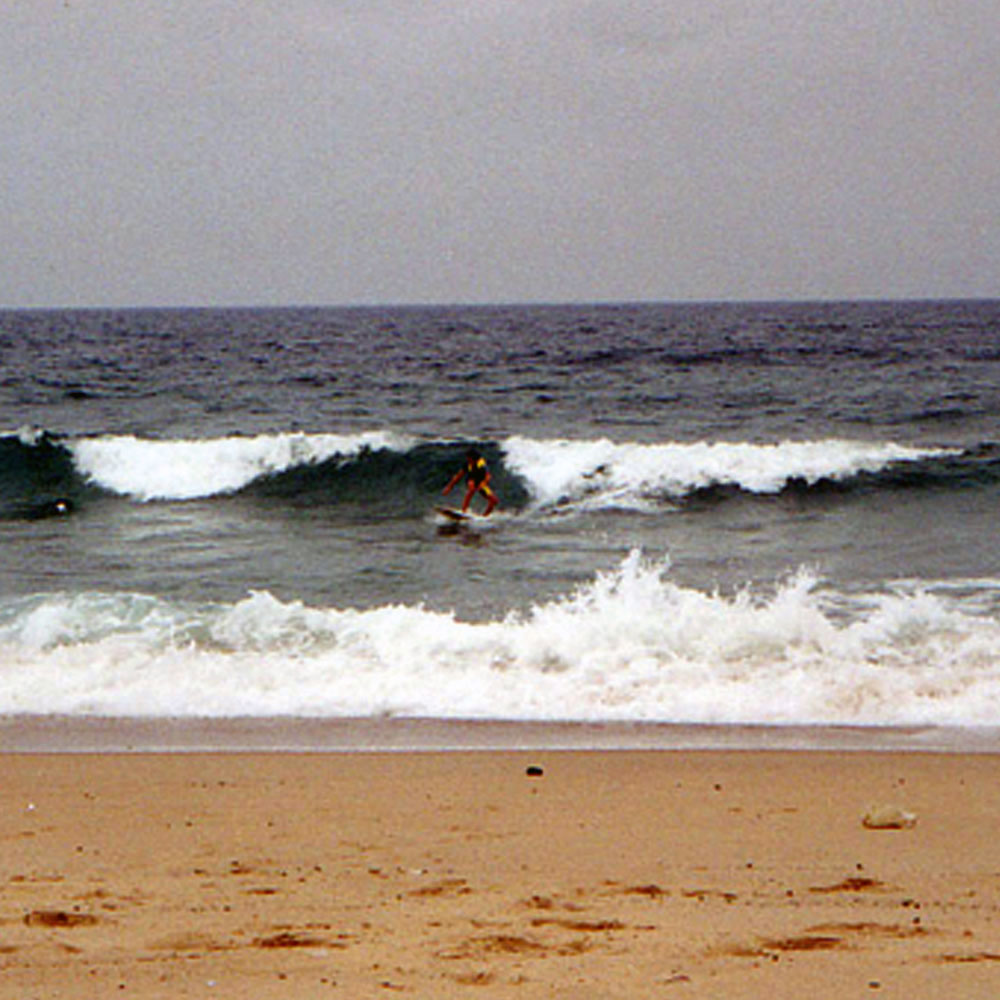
(451,482)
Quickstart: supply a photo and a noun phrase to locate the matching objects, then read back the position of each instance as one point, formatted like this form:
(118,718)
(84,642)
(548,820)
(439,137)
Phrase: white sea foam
(609,474)
(631,645)
(146,469)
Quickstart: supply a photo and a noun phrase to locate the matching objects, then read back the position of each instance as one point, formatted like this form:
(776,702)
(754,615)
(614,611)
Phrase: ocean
(727,514)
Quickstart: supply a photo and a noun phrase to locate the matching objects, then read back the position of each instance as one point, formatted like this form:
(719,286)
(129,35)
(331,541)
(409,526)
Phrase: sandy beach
(529,874)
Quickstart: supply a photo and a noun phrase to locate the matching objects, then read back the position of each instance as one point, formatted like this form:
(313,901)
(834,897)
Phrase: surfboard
(456,515)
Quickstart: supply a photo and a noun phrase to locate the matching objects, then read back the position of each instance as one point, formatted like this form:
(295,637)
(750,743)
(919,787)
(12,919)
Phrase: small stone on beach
(888,817)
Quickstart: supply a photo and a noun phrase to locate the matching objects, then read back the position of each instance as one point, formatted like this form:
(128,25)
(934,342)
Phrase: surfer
(477,480)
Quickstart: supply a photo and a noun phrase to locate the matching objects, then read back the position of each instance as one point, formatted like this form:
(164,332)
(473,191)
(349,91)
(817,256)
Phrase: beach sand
(611,874)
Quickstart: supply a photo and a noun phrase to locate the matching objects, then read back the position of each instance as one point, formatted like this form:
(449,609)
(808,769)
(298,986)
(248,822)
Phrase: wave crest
(184,470)
(608,474)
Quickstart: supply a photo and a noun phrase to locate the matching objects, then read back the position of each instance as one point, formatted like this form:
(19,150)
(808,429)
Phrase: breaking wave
(38,469)
(629,645)
(608,474)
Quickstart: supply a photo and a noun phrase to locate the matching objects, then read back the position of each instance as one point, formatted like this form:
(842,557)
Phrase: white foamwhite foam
(147,469)
(631,645)
(629,475)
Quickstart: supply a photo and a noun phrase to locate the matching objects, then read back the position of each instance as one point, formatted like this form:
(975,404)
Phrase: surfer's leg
(491,500)
(470,492)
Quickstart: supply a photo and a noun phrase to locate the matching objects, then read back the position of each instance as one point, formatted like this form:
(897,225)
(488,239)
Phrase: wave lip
(145,469)
(607,474)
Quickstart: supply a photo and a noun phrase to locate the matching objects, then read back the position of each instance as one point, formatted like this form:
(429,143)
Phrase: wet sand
(609,874)
(88,734)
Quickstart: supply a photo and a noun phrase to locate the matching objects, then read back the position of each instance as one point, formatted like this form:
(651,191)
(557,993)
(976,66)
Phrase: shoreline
(98,734)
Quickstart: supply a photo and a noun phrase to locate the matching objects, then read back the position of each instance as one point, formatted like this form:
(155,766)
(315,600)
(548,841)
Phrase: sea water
(756,513)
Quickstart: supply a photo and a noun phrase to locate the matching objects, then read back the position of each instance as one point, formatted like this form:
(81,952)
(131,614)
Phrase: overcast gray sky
(189,152)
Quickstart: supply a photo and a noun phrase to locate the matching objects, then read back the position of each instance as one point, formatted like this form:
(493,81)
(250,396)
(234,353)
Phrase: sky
(328,152)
